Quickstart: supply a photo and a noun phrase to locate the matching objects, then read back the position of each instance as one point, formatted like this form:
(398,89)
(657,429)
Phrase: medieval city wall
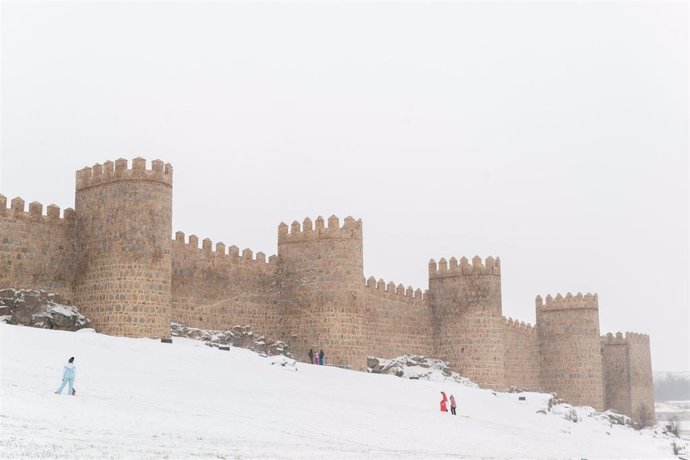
(641,381)
(629,387)
(468,323)
(123,261)
(321,273)
(114,259)
(570,348)
(218,288)
(36,249)
(616,369)
(398,320)
(521,355)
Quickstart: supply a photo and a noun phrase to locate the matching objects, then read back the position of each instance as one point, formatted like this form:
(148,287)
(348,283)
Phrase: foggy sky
(554,136)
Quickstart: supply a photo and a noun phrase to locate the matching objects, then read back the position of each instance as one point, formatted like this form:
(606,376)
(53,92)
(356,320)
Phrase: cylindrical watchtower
(323,289)
(469,330)
(570,356)
(124,227)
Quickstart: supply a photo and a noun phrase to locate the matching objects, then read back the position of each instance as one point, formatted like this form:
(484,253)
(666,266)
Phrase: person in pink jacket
(453,405)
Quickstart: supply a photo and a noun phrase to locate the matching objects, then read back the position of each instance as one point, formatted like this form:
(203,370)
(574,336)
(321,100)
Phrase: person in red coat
(443,402)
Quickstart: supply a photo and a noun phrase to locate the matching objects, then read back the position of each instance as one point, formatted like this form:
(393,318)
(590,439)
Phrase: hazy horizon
(553,136)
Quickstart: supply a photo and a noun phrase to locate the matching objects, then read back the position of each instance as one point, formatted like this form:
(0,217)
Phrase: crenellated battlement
(519,326)
(109,172)
(569,302)
(624,339)
(391,291)
(231,254)
(320,229)
(35,212)
(452,267)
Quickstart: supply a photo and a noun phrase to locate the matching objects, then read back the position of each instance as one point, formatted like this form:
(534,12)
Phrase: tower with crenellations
(321,272)
(123,253)
(570,349)
(114,256)
(467,317)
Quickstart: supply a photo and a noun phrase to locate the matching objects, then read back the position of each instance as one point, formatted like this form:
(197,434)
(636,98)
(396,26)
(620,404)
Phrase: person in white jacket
(68,375)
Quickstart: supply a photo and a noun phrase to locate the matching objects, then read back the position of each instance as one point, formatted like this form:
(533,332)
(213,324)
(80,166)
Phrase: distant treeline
(672,388)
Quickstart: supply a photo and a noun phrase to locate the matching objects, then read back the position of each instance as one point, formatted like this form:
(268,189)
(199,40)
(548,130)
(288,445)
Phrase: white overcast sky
(552,135)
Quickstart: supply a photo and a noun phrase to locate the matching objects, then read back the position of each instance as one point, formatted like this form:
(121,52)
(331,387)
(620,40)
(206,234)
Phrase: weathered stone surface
(416,367)
(40,309)
(123,253)
(239,336)
(570,349)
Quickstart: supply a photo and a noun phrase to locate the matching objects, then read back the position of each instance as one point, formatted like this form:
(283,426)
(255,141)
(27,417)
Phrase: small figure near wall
(69,373)
(321,355)
(311,356)
(316,359)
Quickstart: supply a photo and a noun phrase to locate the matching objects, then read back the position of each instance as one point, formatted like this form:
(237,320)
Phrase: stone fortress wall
(123,250)
(114,258)
(626,365)
(37,250)
(570,348)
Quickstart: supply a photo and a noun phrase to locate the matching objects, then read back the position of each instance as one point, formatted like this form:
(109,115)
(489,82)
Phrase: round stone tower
(323,289)
(469,331)
(570,355)
(124,227)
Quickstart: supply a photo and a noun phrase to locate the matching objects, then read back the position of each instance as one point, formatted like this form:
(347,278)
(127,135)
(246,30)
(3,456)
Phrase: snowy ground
(675,410)
(139,398)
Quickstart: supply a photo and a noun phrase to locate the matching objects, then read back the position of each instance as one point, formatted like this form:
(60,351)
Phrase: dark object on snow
(224,348)
(74,391)
(166,340)
(522,398)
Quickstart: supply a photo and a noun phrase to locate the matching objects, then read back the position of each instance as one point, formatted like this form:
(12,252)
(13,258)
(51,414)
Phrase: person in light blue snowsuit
(68,375)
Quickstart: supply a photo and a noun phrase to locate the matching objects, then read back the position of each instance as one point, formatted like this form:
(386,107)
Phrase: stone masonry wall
(641,381)
(469,331)
(521,355)
(570,348)
(616,369)
(628,384)
(36,250)
(218,289)
(398,320)
(321,272)
(123,272)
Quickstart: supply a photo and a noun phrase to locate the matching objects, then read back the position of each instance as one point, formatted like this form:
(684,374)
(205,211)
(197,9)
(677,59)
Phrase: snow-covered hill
(139,398)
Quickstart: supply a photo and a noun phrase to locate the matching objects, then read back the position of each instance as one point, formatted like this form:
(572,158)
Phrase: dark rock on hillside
(415,367)
(238,336)
(40,309)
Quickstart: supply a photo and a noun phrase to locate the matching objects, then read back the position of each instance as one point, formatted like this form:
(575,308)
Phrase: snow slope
(139,398)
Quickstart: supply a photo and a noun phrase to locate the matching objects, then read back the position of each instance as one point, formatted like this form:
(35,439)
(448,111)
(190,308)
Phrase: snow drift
(139,398)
